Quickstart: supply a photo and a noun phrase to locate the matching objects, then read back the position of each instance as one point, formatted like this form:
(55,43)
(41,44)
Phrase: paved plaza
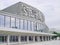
(54,42)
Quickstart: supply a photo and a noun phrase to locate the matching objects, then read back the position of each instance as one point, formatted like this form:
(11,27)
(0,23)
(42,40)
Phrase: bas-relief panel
(30,12)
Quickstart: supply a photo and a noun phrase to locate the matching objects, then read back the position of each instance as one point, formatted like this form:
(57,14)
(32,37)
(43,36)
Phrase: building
(21,23)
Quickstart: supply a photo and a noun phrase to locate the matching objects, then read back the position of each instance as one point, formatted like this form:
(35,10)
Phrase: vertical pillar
(45,38)
(48,38)
(38,38)
(19,39)
(27,39)
(8,40)
(33,38)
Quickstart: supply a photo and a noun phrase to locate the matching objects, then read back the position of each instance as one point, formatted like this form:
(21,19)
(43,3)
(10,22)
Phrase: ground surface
(54,42)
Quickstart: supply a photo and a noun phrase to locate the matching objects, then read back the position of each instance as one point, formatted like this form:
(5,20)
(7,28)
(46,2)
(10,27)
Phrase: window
(7,21)
(37,26)
(29,25)
(13,38)
(17,23)
(25,25)
(23,38)
(1,21)
(30,38)
(21,22)
(3,38)
(13,22)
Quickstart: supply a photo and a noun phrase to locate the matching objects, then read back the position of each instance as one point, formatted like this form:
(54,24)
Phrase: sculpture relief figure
(33,13)
(25,10)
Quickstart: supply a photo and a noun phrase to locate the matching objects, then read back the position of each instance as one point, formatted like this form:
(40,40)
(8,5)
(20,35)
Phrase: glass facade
(25,25)
(21,22)
(1,21)
(40,27)
(13,22)
(17,23)
(7,21)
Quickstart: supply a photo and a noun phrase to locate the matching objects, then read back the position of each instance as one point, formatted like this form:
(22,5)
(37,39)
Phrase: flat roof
(24,31)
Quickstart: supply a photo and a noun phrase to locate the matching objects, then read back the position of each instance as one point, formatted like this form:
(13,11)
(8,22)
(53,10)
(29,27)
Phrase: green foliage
(58,34)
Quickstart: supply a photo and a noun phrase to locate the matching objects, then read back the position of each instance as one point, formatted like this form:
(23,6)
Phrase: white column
(48,38)
(38,38)
(27,39)
(45,38)
(8,40)
(33,38)
(19,39)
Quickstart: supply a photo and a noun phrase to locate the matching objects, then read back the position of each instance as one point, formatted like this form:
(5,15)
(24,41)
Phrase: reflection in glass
(17,23)
(25,24)
(29,25)
(7,21)
(1,20)
(32,26)
(37,26)
(21,24)
(13,22)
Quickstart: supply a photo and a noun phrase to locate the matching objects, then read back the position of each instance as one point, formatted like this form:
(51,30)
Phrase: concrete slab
(54,42)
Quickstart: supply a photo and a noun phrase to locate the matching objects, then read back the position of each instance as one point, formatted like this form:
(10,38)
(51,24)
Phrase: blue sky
(50,8)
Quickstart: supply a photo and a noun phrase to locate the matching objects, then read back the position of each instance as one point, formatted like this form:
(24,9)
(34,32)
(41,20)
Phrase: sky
(50,9)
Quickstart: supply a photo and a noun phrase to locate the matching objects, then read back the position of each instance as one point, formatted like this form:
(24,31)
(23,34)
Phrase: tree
(57,34)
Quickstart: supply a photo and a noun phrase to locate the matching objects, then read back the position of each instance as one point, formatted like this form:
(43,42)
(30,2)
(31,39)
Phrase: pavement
(52,42)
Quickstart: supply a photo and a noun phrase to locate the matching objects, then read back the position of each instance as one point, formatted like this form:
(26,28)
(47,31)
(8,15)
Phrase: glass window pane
(37,26)
(17,23)
(28,25)
(13,22)
(7,21)
(1,20)
(21,24)
(25,25)
(32,26)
